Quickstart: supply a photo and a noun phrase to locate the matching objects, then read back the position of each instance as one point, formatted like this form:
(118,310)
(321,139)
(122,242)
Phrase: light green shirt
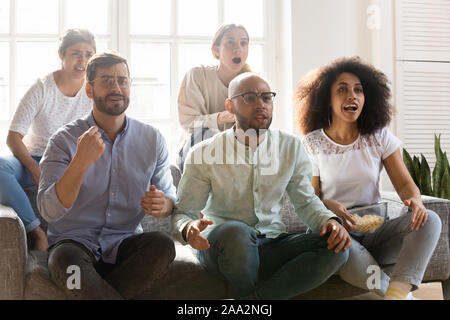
(227,181)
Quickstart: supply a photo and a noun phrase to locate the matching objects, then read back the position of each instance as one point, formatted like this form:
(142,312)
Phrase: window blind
(423,75)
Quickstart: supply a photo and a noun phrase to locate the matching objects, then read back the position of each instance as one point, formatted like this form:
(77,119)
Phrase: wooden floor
(426,291)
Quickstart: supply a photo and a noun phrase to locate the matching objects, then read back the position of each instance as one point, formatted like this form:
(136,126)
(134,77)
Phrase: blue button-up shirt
(108,207)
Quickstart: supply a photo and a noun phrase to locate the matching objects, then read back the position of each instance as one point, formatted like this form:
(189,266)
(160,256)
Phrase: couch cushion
(184,271)
(290,218)
(38,284)
(13,254)
(187,279)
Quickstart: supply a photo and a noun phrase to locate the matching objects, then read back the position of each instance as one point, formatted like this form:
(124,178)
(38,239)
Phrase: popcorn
(367,223)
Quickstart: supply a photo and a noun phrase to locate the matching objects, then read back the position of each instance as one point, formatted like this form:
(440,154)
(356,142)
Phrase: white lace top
(350,173)
(43,109)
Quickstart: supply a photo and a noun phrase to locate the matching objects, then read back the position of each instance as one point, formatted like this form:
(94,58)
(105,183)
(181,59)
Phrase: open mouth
(80,69)
(237,60)
(351,108)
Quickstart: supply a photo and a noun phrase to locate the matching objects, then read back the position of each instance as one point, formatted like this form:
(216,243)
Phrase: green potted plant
(436,184)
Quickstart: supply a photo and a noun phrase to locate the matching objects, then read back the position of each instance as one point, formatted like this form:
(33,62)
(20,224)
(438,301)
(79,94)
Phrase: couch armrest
(13,254)
(439,265)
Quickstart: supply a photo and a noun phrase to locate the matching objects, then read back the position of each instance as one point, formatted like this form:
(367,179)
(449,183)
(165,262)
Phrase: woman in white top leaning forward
(201,100)
(50,103)
(343,111)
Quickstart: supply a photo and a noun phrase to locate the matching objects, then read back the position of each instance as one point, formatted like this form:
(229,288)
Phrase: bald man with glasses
(229,201)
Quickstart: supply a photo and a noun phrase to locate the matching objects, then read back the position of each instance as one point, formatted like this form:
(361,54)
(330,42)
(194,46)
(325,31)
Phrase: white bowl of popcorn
(369,218)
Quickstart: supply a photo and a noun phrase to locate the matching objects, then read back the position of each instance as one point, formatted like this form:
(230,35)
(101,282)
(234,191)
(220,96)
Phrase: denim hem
(32,225)
(383,287)
(415,282)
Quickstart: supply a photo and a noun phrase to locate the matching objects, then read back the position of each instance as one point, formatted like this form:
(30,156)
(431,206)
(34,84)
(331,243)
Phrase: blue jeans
(261,268)
(13,178)
(393,244)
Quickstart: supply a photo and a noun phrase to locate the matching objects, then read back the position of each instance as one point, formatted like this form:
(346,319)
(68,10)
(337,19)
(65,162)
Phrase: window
(167,38)
(29,31)
(160,39)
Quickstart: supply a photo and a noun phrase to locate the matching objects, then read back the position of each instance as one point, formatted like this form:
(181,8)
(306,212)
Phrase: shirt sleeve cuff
(179,223)
(51,208)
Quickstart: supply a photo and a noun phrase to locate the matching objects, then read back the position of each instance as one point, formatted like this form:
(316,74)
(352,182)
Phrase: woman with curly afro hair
(343,109)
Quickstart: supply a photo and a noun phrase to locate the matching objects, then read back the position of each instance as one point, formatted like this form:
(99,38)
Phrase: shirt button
(112,193)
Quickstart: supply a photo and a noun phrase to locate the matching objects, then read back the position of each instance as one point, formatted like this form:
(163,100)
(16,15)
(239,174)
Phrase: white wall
(323,30)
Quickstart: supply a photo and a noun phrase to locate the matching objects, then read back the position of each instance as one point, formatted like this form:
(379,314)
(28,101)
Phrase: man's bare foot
(39,239)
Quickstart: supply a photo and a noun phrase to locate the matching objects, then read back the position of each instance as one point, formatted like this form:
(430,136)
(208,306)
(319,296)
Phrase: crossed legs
(141,259)
(262,268)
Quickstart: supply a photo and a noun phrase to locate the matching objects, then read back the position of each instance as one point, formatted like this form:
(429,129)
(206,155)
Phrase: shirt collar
(233,144)
(91,122)
(231,138)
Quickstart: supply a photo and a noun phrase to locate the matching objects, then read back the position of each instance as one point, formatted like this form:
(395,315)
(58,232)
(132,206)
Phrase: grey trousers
(396,247)
(141,259)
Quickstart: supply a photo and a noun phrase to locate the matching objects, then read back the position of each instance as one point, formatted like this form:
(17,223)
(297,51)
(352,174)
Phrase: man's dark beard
(245,125)
(116,110)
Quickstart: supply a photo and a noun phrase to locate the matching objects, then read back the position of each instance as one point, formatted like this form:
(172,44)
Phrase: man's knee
(235,244)
(63,258)
(334,259)
(234,233)
(159,244)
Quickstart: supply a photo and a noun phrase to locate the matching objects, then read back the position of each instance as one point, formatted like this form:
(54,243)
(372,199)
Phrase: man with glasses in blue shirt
(100,175)
(230,197)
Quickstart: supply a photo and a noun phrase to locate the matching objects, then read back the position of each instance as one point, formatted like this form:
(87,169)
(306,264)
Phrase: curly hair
(312,99)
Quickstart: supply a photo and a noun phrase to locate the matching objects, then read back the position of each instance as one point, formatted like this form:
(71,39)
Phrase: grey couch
(24,274)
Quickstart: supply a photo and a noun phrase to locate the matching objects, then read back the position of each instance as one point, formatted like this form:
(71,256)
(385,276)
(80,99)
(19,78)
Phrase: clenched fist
(156,204)
(90,147)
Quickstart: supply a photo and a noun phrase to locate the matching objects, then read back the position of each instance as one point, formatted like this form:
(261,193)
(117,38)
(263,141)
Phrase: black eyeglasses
(109,82)
(251,97)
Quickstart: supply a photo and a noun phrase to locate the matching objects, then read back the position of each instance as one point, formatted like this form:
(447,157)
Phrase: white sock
(397,290)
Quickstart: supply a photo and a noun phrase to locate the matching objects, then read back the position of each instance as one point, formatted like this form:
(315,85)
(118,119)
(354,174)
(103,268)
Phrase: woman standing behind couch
(51,102)
(201,100)
(344,110)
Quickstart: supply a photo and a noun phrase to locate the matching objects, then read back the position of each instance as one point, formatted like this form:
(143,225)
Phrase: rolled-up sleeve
(193,194)
(55,161)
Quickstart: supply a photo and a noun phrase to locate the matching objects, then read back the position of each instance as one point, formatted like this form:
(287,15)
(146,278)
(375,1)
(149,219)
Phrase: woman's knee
(7,165)
(433,226)
(433,221)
